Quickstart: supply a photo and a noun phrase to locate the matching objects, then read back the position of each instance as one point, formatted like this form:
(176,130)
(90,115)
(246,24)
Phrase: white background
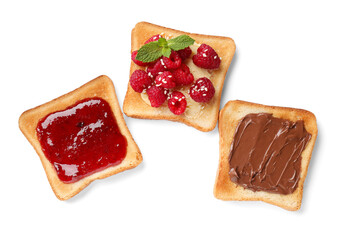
(288,54)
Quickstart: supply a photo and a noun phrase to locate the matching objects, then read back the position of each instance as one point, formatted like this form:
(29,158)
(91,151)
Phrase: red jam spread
(82,139)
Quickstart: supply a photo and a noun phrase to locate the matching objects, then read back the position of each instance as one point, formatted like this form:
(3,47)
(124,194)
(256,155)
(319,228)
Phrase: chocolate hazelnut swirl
(266,153)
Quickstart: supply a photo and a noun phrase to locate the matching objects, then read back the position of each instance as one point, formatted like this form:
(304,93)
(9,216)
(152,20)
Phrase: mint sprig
(151,51)
(148,52)
(180,42)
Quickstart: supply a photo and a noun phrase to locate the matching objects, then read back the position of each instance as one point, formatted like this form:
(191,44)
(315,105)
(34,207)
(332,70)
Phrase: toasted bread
(230,116)
(101,87)
(200,116)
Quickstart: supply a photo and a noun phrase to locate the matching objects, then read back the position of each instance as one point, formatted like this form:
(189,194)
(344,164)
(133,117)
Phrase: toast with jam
(80,137)
(177,76)
(264,153)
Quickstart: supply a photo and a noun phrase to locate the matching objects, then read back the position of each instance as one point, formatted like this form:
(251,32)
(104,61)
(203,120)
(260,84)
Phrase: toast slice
(101,87)
(200,116)
(230,116)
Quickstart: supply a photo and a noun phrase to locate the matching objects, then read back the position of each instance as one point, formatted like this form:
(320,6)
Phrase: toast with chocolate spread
(264,153)
(200,115)
(80,137)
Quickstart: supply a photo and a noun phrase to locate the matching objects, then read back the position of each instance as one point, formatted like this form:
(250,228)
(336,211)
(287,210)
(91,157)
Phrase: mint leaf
(162,42)
(153,50)
(166,51)
(180,42)
(149,52)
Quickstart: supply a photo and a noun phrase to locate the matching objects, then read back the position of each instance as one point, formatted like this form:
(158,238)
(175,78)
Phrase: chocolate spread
(266,153)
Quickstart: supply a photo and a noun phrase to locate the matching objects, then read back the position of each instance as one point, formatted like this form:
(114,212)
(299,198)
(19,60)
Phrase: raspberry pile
(164,76)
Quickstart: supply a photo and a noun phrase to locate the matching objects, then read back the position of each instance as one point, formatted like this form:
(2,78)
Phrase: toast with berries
(80,137)
(180,84)
(287,137)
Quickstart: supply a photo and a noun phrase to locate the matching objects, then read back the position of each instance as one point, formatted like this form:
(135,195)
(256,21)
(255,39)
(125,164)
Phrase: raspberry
(153,38)
(155,68)
(139,63)
(165,80)
(140,80)
(182,75)
(184,53)
(202,90)
(157,95)
(177,103)
(206,57)
(173,62)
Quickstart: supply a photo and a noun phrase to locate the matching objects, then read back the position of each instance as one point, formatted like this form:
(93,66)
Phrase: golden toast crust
(135,107)
(101,87)
(230,115)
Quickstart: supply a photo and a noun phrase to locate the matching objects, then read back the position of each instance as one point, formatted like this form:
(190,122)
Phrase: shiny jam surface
(82,139)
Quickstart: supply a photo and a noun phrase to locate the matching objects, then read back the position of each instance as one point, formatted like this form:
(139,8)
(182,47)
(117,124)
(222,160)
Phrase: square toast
(230,115)
(101,87)
(200,116)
